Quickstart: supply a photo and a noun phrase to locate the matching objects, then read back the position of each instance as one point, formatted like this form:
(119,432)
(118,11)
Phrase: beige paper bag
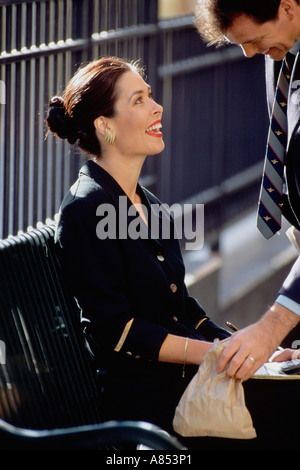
(213,404)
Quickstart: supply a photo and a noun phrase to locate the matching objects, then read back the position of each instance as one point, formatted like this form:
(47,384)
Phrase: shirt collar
(295,49)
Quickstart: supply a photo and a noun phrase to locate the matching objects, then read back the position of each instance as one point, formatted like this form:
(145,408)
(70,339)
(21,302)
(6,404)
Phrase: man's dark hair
(214,17)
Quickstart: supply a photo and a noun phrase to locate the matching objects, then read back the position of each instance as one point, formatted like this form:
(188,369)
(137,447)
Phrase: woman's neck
(126,172)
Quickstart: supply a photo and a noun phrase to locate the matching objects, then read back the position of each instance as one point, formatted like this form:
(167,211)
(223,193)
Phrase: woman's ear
(102,129)
(100,125)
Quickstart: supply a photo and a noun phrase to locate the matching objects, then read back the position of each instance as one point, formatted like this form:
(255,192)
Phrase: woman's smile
(154,129)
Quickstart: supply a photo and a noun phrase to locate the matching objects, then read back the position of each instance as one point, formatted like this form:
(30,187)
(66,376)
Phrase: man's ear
(288,7)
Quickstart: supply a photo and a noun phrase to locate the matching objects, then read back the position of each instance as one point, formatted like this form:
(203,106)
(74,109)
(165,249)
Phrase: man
(272,28)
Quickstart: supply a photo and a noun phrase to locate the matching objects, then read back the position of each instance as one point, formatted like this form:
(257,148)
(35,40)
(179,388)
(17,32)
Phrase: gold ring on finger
(252,359)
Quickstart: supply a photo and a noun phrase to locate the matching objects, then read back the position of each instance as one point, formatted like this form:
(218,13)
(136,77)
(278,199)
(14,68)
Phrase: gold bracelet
(184,357)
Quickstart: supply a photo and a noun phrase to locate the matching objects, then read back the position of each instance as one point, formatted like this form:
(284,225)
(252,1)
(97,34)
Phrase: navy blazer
(131,291)
(291,207)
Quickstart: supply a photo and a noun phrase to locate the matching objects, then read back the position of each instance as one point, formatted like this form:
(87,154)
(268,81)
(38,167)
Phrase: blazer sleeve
(96,274)
(203,325)
(291,285)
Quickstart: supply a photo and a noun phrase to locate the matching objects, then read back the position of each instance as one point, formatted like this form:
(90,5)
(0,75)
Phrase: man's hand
(248,349)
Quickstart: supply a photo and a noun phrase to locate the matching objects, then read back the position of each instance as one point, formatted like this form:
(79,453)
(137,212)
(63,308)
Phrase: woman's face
(137,122)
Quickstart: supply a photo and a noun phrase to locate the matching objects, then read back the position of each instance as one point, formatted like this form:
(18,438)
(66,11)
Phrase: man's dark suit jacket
(291,209)
(131,293)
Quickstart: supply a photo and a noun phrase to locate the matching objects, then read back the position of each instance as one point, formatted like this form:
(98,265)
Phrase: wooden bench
(48,394)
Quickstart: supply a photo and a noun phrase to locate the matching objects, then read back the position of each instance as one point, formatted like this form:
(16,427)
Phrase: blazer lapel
(127,213)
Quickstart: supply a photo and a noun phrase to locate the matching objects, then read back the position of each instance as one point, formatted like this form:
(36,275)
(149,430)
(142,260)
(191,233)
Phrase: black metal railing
(214,106)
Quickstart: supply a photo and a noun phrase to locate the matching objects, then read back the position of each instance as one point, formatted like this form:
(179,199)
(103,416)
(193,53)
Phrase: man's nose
(249,50)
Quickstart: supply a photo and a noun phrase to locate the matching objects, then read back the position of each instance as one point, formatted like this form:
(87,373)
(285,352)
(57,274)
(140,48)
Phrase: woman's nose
(157,108)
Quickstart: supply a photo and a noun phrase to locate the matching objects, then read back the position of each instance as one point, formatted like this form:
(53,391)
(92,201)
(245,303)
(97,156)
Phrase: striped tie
(270,199)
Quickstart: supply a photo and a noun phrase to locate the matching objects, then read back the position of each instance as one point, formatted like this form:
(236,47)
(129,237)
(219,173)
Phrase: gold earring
(109,136)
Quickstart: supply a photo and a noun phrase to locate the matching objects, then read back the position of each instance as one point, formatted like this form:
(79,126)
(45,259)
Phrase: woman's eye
(139,100)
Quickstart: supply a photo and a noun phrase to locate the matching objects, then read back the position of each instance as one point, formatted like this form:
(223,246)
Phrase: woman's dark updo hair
(59,122)
(89,94)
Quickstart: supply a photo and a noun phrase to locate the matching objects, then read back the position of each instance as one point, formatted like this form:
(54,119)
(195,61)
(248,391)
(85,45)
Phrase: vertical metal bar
(2,156)
(59,83)
(105,15)
(96,17)
(12,128)
(69,16)
(40,137)
(42,26)
(60,21)
(31,133)
(41,39)
(165,163)
(96,28)
(115,16)
(68,72)
(22,127)
(2,125)
(3,29)
(50,146)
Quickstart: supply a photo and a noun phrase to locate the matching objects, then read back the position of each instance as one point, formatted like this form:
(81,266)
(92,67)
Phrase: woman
(147,336)
(136,312)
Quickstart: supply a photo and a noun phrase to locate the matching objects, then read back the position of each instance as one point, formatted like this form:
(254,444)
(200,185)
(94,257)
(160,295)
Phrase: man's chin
(276,54)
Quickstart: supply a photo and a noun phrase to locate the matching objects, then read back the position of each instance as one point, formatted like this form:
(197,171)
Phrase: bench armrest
(88,436)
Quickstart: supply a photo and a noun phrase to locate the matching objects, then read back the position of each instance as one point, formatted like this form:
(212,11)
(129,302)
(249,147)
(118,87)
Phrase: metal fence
(214,106)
